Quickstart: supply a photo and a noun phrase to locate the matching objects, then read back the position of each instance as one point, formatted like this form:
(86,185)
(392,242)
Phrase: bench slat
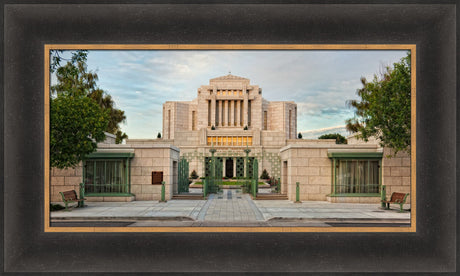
(398,198)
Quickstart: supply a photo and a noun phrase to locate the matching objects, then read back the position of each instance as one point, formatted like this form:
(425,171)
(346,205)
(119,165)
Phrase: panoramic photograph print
(226,140)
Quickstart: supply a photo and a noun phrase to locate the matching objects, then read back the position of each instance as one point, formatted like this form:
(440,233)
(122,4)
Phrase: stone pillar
(232,113)
(226,113)
(220,113)
(223,167)
(245,107)
(234,166)
(213,107)
(238,113)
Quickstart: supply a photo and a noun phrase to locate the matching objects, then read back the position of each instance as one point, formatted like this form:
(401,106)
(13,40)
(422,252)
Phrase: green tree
(77,123)
(339,139)
(384,109)
(264,175)
(74,79)
(56,58)
(159,135)
(299,135)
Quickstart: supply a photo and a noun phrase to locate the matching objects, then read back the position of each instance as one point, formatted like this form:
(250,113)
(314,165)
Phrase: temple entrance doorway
(229,167)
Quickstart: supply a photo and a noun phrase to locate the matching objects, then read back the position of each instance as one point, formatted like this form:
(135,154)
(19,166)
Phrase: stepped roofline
(228,77)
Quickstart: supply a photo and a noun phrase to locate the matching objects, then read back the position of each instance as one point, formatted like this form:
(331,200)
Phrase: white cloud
(318,81)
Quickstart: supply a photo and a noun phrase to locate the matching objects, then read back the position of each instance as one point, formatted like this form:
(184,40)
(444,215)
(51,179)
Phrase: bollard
(162,192)
(297,192)
(82,195)
(383,195)
(205,188)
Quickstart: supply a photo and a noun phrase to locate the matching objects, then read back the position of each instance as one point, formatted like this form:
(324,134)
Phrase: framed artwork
(32,244)
(236,117)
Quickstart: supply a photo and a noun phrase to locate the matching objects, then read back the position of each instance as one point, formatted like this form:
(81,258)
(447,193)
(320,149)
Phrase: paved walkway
(231,208)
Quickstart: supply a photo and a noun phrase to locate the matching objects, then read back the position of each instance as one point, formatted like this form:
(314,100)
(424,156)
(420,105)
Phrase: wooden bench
(398,198)
(69,197)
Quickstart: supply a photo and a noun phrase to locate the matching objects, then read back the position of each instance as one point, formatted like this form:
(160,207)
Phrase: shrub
(273,181)
(264,175)
(339,139)
(56,207)
(193,175)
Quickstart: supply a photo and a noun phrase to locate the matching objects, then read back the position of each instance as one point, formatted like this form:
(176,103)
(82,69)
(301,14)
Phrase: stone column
(234,166)
(213,107)
(238,113)
(223,166)
(245,107)
(232,113)
(220,113)
(226,113)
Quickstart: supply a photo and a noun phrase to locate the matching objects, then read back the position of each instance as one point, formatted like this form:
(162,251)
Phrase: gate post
(254,188)
(278,186)
(205,187)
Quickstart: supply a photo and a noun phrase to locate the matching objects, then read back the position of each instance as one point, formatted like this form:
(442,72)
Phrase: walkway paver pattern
(231,208)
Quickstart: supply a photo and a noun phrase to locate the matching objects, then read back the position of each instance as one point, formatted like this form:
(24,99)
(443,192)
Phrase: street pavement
(230,208)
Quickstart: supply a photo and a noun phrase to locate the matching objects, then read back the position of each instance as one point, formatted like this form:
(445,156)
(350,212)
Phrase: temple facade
(230,115)
(231,120)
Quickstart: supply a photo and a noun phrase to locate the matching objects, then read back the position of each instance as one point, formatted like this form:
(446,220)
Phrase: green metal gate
(251,181)
(183,176)
(213,177)
(255,177)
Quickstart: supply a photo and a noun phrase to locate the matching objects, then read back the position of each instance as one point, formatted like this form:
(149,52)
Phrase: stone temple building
(230,115)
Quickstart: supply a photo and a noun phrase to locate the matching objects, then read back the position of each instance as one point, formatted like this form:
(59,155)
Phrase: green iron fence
(251,181)
(213,178)
(183,186)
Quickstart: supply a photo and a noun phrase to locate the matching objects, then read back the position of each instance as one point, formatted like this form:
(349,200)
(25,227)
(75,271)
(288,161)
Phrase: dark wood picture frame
(27,248)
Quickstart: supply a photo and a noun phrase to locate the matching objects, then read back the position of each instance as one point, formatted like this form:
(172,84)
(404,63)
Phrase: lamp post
(211,182)
(246,161)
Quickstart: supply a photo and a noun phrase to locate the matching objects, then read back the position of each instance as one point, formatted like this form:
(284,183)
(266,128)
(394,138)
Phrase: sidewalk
(232,208)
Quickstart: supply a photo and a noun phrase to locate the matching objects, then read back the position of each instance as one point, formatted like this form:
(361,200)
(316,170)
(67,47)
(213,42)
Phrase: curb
(182,218)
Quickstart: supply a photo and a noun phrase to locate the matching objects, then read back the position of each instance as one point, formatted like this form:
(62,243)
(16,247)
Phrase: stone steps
(271,197)
(189,196)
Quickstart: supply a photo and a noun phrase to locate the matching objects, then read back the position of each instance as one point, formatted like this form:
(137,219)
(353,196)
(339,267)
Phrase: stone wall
(65,180)
(273,138)
(182,119)
(309,164)
(168,120)
(151,159)
(396,173)
(147,158)
(187,138)
(276,116)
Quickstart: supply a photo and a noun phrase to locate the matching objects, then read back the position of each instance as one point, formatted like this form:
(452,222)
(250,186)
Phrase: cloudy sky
(320,82)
